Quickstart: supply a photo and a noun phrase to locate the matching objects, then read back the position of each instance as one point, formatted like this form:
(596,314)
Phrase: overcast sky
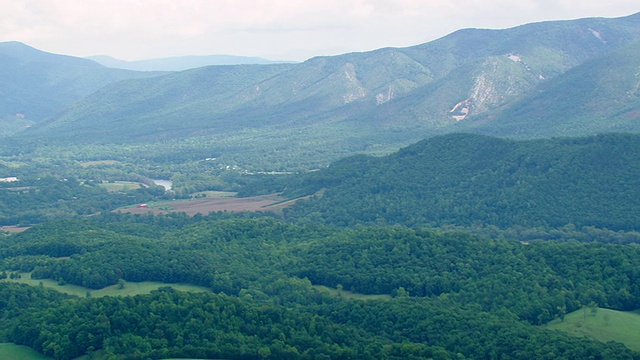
(273,29)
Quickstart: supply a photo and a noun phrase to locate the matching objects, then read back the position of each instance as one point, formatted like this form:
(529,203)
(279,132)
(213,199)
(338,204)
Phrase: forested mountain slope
(37,84)
(367,102)
(601,95)
(464,179)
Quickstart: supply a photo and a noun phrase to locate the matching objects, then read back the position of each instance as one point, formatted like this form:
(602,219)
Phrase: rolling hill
(467,179)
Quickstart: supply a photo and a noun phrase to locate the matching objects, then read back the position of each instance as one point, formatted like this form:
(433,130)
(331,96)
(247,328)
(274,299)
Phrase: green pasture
(129,289)
(120,186)
(18,352)
(602,325)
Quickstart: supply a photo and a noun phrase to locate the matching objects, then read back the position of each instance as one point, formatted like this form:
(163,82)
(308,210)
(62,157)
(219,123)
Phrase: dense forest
(454,295)
(466,180)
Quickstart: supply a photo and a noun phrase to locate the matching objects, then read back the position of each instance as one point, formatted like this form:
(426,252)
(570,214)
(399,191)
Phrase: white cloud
(294,29)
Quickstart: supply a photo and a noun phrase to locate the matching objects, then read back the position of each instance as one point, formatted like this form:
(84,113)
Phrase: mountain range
(178,63)
(576,77)
(36,85)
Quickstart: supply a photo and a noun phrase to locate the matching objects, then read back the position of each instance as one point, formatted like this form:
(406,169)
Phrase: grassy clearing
(352,295)
(603,325)
(120,186)
(130,288)
(19,352)
(85,164)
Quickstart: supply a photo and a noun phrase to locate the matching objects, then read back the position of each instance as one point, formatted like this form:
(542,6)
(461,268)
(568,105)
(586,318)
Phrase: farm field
(130,288)
(213,204)
(603,325)
(120,186)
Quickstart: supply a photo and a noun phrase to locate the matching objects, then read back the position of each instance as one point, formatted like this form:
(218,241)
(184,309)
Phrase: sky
(277,29)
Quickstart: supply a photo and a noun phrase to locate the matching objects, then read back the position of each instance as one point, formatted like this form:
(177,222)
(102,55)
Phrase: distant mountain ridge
(179,63)
(37,84)
(373,102)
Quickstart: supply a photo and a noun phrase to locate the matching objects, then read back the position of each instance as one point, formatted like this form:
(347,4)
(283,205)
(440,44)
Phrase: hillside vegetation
(370,102)
(454,295)
(601,95)
(603,325)
(465,179)
(37,85)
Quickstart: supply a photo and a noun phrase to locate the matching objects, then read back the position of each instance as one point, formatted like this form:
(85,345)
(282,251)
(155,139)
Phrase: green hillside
(464,179)
(600,95)
(603,325)
(37,85)
(17,352)
(367,102)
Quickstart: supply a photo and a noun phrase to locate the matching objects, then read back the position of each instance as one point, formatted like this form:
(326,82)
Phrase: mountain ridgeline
(178,63)
(466,179)
(36,85)
(499,82)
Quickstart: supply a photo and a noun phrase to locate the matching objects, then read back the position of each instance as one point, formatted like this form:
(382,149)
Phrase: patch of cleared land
(603,325)
(345,294)
(13,229)
(130,288)
(98,163)
(209,204)
(120,186)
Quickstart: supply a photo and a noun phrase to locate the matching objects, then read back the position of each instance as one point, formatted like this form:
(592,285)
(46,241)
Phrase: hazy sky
(275,29)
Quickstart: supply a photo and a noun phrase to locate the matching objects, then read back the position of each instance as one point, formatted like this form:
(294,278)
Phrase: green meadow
(602,325)
(129,288)
(18,352)
(120,186)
